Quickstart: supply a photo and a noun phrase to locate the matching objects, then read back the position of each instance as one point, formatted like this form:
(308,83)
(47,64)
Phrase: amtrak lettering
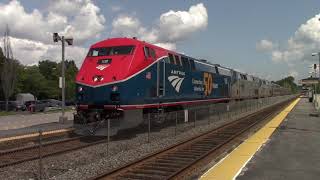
(176,72)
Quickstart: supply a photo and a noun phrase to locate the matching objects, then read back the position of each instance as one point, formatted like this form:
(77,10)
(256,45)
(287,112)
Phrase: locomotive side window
(152,53)
(149,53)
(178,62)
(167,60)
(146,52)
(193,67)
(171,59)
(224,71)
(185,63)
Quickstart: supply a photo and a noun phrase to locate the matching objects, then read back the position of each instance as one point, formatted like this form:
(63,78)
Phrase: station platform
(15,126)
(287,147)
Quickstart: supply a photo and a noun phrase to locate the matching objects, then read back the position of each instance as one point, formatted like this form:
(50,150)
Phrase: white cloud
(30,52)
(81,19)
(299,47)
(170,46)
(172,26)
(296,52)
(265,45)
(178,25)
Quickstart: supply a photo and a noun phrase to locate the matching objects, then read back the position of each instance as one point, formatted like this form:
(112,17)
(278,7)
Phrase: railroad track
(171,162)
(19,155)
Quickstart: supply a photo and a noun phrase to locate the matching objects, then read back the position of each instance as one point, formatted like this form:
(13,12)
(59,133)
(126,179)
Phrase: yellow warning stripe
(229,167)
(34,135)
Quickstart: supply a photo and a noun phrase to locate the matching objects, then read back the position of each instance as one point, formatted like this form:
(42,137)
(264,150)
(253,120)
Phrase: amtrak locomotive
(123,79)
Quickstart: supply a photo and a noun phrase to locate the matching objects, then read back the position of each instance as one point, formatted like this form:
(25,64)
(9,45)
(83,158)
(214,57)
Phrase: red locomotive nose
(106,64)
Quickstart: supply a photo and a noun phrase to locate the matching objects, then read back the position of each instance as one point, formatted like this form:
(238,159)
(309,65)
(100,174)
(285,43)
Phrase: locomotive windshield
(111,51)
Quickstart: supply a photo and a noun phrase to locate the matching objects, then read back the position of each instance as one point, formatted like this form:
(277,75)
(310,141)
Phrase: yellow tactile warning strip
(229,167)
(34,135)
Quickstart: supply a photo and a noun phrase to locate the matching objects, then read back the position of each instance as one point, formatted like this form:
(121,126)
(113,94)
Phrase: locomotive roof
(134,41)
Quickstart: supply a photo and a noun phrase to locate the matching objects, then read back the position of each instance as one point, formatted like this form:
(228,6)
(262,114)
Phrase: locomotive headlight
(114,88)
(97,78)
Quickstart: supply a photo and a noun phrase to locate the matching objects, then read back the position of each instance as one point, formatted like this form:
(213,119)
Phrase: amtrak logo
(102,67)
(176,82)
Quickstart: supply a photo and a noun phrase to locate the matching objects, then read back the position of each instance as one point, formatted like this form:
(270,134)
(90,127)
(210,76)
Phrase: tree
(289,83)
(49,69)
(32,81)
(1,67)
(8,77)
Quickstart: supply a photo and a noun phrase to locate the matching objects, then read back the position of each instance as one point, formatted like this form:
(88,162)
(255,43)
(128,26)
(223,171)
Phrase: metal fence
(160,130)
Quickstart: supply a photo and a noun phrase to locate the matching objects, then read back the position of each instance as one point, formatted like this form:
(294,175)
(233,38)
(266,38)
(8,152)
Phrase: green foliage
(43,80)
(289,83)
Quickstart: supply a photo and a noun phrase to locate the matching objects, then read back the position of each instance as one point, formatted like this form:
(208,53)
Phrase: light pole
(314,54)
(57,38)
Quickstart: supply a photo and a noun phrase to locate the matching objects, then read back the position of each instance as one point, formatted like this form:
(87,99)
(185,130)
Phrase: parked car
(70,103)
(52,102)
(18,106)
(28,103)
(12,106)
(37,106)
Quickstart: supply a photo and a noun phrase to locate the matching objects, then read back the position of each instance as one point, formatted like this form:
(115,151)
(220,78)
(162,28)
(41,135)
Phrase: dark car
(18,106)
(12,106)
(70,103)
(28,103)
(52,102)
(36,106)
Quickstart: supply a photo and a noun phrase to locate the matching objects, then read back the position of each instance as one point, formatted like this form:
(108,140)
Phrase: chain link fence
(159,130)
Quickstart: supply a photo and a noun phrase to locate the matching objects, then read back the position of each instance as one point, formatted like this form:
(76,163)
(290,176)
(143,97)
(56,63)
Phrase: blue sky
(231,37)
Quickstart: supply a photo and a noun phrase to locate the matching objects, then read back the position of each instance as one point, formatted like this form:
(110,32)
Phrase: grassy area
(59,110)
(7,113)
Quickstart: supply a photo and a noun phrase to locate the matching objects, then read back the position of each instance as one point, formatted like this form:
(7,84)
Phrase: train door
(161,77)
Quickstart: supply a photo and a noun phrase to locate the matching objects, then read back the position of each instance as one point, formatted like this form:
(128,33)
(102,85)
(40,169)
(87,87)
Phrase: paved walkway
(21,124)
(293,151)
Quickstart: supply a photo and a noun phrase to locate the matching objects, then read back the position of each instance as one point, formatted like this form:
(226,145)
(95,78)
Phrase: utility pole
(63,80)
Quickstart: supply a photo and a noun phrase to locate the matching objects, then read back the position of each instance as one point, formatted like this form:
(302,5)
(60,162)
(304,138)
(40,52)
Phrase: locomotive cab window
(110,51)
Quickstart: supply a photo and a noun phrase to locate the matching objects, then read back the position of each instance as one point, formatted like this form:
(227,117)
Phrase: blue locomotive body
(161,84)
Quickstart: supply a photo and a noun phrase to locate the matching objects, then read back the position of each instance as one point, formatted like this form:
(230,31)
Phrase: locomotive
(123,79)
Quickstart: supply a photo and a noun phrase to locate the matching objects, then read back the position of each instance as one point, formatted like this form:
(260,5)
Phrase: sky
(269,39)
